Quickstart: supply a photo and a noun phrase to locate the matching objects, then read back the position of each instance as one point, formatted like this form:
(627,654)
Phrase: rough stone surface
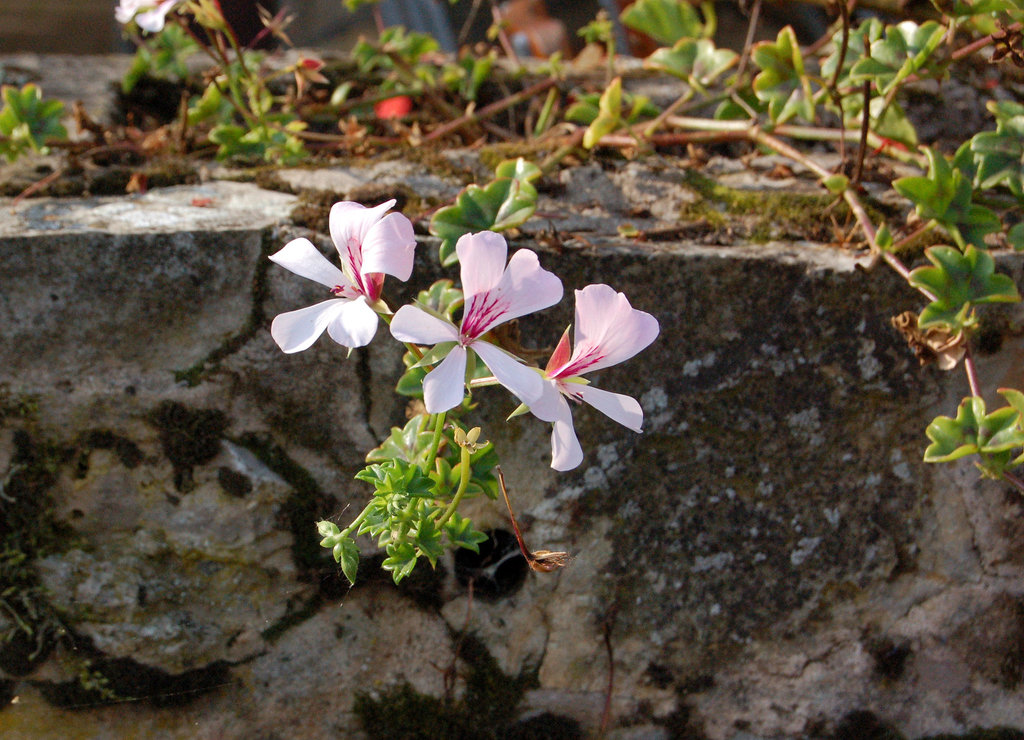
(768,557)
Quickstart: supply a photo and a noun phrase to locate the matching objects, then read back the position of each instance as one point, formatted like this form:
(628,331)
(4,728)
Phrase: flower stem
(463,484)
(1014,480)
(356,522)
(435,441)
(972,371)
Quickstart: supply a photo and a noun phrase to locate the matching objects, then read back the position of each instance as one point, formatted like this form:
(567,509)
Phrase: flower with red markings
(371,243)
(608,331)
(494,293)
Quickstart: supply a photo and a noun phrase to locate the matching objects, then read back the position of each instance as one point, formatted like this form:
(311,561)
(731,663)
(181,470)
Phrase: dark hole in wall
(497,571)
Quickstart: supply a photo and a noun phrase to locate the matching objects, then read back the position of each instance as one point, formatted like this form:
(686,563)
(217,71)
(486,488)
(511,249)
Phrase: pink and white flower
(494,293)
(371,244)
(149,15)
(608,331)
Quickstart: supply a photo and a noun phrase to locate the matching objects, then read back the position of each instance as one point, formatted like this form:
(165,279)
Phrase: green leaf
(1015,236)
(959,281)
(999,154)
(163,56)
(518,169)
(428,540)
(347,554)
(405,443)
(783,82)
(905,49)
(586,108)
(945,195)
(955,438)
(666,21)
(400,561)
(696,61)
(502,204)
(27,120)
(864,35)
(461,533)
(609,114)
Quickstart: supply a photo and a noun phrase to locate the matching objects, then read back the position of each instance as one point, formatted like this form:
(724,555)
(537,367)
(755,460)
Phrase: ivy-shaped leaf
(905,49)
(959,280)
(518,169)
(696,61)
(668,21)
(999,154)
(955,438)
(405,443)
(864,35)
(502,204)
(783,82)
(992,436)
(945,195)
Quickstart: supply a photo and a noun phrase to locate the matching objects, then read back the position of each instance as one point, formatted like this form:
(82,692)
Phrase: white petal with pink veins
(388,247)
(623,409)
(297,330)
(444,386)
(412,324)
(525,382)
(302,258)
(608,330)
(524,287)
(349,223)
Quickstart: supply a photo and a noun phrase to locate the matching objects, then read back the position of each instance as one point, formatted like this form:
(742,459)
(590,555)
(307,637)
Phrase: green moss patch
(761,215)
(30,530)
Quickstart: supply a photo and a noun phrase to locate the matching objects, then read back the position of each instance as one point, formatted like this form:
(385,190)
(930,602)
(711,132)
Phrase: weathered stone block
(769,556)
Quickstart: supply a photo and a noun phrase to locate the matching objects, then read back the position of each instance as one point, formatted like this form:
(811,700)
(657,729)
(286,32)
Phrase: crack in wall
(256,320)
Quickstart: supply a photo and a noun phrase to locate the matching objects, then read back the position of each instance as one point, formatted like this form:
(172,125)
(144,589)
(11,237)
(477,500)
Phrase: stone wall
(769,559)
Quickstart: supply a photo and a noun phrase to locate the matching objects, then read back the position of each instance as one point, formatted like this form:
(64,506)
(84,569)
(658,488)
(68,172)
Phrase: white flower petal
(297,330)
(608,330)
(524,287)
(566,452)
(482,259)
(621,408)
(349,223)
(524,382)
(413,324)
(551,404)
(355,324)
(444,386)
(302,258)
(152,20)
(388,247)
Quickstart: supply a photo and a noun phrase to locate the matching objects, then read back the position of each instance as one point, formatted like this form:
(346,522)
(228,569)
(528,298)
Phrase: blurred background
(88,26)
